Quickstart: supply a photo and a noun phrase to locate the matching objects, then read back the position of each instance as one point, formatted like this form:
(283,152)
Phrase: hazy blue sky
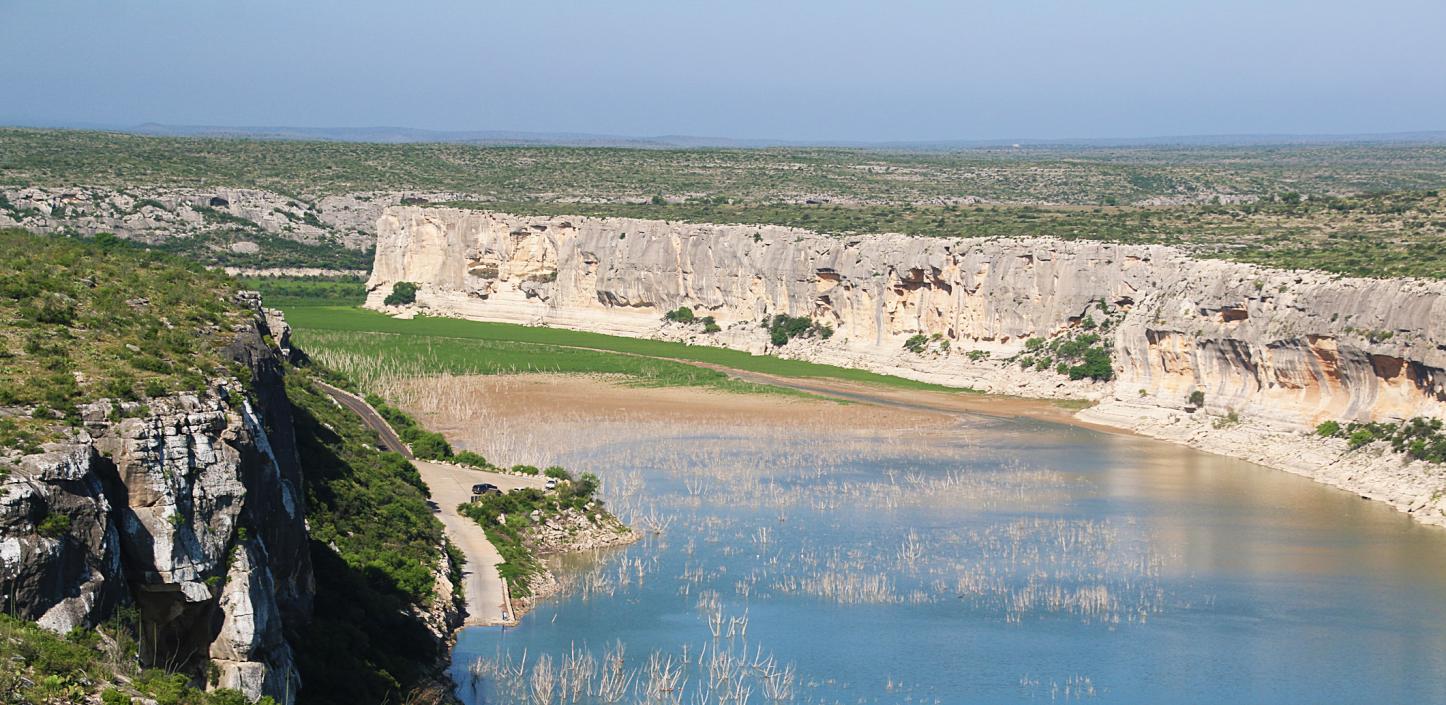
(807,69)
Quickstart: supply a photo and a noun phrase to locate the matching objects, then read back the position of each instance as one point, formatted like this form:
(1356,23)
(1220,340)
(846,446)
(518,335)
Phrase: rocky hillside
(153,464)
(245,229)
(1145,328)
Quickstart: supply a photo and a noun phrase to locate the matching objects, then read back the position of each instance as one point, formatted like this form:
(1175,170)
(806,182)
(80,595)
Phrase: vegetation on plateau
(1059,175)
(85,320)
(1359,209)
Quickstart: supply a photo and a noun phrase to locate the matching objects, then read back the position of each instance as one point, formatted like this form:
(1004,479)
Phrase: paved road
(451,485)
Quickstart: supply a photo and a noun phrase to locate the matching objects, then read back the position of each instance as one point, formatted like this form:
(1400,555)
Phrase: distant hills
(408,135)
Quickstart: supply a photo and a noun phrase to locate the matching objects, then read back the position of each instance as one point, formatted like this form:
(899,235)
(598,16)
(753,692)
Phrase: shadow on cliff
(366,642)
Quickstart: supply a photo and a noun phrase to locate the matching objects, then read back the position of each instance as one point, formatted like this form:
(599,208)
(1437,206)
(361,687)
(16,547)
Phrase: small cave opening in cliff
(1233,314)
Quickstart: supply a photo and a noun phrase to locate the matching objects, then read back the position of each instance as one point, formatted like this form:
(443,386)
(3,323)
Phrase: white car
(551,483)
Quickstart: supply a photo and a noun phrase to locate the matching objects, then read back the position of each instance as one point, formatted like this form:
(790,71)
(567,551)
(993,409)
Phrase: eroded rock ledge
(1278,350)
(188,507)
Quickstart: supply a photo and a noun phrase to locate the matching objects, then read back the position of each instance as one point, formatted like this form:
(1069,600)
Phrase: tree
(403,294)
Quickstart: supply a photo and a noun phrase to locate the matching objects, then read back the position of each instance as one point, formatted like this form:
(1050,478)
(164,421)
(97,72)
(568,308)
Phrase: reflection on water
(995,561)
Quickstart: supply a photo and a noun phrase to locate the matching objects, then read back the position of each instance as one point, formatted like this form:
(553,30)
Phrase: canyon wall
(1284,349)
(1272,352)
(188,507)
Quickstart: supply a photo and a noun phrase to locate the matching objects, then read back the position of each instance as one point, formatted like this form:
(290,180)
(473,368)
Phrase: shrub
(917,343)
(557,472)
(525,469)
(711,326)
(111,696)
(682,314)
(1328,429)
(978,355)
(52,308)
(403,294)
(783,328)
(1197,398)
(1360,437)
(429,445)
(469,458)
(53,525)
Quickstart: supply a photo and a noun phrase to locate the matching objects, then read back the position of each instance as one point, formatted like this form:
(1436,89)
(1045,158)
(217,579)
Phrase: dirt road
(451,485)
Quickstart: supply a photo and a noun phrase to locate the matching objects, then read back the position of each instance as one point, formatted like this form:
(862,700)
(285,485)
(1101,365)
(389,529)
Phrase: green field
(368,346)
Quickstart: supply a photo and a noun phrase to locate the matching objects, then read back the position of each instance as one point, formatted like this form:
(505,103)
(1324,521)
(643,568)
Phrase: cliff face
(1285,349)
(190,508)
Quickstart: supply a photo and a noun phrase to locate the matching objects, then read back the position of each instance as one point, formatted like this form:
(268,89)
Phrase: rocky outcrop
(188,507)
(1285,347)
(1279,350)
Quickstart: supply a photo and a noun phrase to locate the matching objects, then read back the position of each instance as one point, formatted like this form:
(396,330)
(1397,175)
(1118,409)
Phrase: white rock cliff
(1280,350)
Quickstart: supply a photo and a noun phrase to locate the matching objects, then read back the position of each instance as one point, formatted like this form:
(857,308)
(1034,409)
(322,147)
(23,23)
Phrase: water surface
(995,561)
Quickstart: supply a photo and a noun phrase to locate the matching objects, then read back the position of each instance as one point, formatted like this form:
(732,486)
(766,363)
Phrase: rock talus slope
(1279,350)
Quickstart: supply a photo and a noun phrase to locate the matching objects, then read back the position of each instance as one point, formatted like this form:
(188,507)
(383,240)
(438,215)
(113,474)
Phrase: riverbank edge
(1374,472)
(601,534)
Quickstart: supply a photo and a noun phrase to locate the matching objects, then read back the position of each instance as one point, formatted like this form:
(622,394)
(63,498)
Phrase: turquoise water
(995,561)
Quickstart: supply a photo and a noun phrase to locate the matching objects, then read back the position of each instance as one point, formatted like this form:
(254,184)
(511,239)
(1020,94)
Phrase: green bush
(682,314)
(526,469)
(403,294)
(1197,398)
(428,445)
(1328,429)
(54,525)
(558,473)
(111,696)
(471,459)
(1360,437)
(917,343)
(783,328)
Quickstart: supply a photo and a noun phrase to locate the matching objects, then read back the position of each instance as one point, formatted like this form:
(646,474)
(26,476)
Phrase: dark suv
(482,488)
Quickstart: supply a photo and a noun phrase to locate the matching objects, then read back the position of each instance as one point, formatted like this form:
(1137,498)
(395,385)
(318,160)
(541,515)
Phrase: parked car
(484,488)
(551,483)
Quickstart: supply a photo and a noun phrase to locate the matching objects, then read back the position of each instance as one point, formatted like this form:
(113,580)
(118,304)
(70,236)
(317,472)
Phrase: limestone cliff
(1280,350)
(188,507)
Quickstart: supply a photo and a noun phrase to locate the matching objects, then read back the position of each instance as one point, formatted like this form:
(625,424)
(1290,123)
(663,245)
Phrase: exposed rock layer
(1280,350)
(190,508)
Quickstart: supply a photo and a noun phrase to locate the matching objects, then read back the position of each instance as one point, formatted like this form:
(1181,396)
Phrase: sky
(805,70)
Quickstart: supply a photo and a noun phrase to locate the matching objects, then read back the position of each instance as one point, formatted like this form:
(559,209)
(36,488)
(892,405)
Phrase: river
(976,560)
